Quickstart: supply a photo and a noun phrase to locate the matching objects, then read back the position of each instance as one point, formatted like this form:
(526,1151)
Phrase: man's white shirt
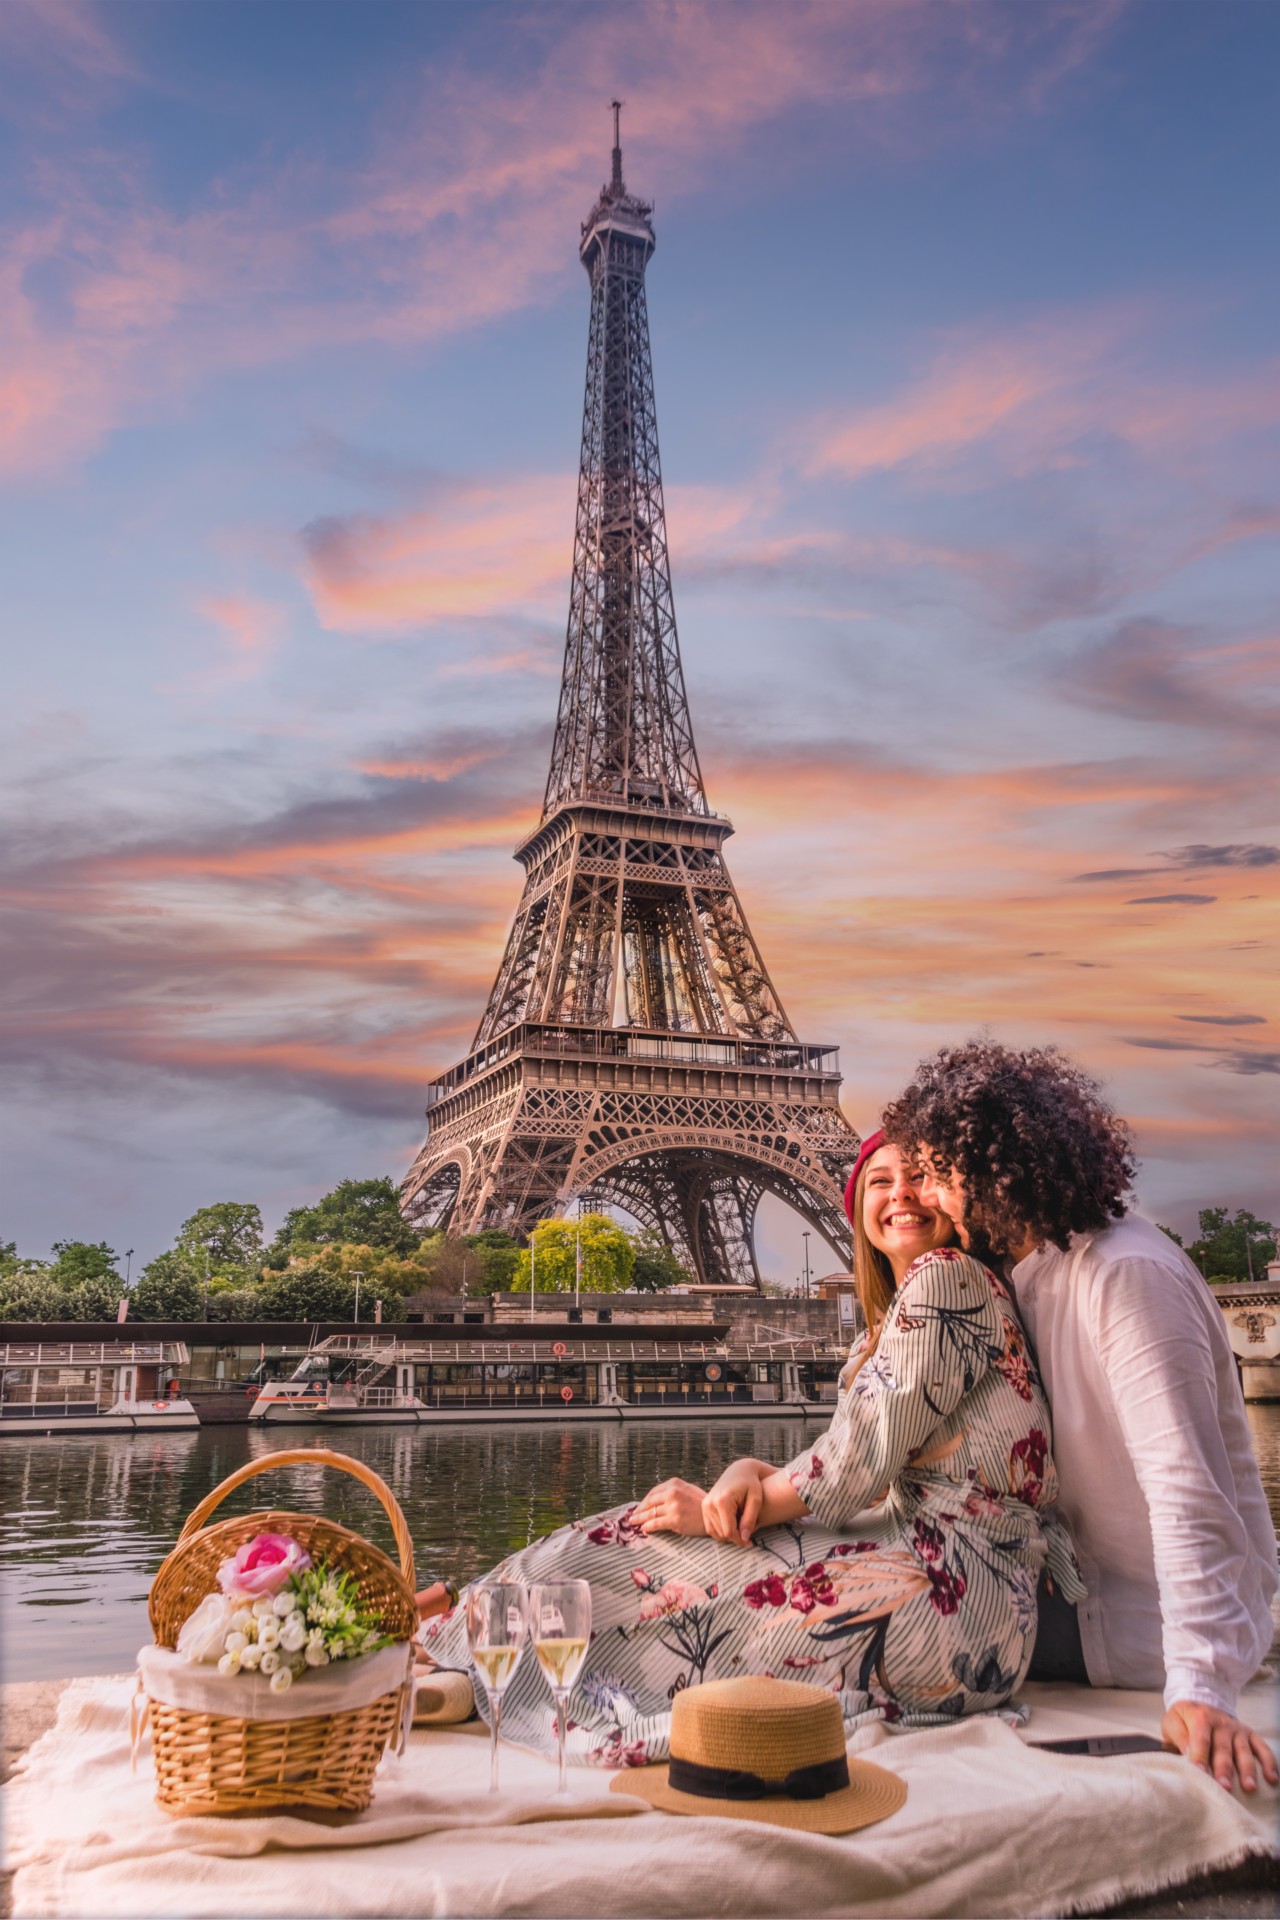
(1159,1484)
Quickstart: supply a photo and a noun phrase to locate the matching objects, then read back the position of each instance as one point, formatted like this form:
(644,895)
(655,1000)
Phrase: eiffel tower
(634,1051)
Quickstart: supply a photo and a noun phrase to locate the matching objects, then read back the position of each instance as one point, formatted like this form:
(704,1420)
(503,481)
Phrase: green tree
(494,1267)
(96,1298)
(28,1293)
(477,1264)
(608,1256)
(168,1288)
(230,1233)
(356,1213)
(308,1292)
(657,1266)
(227,1301)
(78,1260)
(1230,1249)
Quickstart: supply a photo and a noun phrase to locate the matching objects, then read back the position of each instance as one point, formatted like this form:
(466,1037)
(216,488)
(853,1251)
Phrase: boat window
(314,1367)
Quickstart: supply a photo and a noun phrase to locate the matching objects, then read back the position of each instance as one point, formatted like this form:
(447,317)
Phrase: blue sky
(963,327)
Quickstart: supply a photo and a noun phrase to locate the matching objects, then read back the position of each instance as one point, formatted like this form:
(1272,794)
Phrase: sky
(968,392)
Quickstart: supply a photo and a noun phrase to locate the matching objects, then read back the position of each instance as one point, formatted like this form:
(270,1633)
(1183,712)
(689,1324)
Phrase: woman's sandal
(440,1597)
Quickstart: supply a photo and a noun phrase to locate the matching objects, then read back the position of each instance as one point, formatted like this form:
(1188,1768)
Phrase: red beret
(872,1144)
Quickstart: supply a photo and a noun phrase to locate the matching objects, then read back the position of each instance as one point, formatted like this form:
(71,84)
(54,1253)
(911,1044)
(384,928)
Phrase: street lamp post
(357,1277)
(577,1264)
(806,1263)
(128,1266)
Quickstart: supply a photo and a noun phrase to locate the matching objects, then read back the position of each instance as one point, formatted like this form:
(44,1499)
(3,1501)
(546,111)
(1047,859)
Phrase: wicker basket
(218,1763)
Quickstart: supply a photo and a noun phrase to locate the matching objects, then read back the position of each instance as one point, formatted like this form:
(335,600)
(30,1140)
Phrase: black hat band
(724,1783)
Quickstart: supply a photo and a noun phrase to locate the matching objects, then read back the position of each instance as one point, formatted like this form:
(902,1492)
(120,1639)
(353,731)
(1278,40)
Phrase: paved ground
(28,1708)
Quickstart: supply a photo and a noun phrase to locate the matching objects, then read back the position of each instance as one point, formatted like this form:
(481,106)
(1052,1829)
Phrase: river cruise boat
(93,1386)
(552,1374)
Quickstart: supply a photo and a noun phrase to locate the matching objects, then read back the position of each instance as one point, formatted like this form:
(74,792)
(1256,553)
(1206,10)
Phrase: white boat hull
(277,1413)
(169,1416)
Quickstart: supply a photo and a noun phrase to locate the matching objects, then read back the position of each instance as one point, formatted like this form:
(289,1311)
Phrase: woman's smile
(895,1217)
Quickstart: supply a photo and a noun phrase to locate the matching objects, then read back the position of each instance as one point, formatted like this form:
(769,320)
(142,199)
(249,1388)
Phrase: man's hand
(673,1506)
(732,1508)
(1219,1743)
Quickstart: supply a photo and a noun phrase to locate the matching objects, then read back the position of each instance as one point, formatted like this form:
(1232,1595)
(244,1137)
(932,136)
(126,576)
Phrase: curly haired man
(1159,1483)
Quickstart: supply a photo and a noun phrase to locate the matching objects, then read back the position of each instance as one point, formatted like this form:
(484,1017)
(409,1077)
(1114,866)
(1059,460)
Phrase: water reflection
(86,1520)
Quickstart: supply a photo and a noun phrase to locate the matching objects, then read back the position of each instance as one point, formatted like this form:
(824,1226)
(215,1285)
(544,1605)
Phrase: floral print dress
(910,1591)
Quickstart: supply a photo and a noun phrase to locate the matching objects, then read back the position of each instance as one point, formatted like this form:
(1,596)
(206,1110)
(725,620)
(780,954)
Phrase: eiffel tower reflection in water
(634,1051)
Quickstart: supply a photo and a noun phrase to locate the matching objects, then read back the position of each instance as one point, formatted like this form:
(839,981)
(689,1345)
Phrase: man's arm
(1155,1349)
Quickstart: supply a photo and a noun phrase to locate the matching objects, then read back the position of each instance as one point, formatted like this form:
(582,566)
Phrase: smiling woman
(891,1226)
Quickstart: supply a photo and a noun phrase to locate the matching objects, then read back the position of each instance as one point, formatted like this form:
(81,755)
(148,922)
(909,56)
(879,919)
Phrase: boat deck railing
(571,1352)
(93,1353)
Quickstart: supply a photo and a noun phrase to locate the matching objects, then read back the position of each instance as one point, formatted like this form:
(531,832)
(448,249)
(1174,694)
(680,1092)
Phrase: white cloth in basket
(340,1687)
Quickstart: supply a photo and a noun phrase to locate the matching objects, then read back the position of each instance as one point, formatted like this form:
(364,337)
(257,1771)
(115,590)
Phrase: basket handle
(311,1457)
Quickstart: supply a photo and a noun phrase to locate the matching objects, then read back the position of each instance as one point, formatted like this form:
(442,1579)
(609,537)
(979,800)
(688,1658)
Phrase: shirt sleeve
(1159,1365)
(940,1336)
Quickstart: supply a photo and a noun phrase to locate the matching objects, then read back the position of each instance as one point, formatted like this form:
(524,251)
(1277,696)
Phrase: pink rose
(263,1566)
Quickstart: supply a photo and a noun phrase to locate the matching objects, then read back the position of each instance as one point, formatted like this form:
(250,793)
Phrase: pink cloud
(480,548)
(250,630)
(463,214)
(503,545)
(1027,399)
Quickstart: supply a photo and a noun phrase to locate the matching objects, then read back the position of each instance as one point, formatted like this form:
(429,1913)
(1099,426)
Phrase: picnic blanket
(989,1827)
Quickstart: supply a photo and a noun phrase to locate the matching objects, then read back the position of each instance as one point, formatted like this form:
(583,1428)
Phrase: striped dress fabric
(910,1591)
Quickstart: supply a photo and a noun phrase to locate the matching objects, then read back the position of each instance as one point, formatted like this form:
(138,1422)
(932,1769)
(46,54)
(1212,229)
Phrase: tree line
(353,1245)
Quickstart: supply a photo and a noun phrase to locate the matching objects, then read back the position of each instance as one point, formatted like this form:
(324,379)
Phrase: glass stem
(495,1723)
(562,1715)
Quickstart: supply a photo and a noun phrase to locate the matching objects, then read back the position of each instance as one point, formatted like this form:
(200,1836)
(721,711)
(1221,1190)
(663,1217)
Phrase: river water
(85,1520)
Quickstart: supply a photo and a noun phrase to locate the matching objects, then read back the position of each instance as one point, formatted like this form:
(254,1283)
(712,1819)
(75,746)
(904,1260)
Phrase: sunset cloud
(1033,399)
(458,211)
(478,548)
(970,463)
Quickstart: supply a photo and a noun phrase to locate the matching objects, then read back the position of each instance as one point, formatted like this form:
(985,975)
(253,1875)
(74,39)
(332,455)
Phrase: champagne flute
(560,1623)
(497,1625)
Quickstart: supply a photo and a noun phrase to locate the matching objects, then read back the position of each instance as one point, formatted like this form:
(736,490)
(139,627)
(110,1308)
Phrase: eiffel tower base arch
(697,1178)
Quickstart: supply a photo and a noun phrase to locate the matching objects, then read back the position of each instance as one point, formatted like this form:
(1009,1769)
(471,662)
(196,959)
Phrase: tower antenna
(616,182)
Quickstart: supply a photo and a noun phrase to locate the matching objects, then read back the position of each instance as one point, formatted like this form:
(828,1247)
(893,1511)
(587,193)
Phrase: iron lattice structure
(634,1049)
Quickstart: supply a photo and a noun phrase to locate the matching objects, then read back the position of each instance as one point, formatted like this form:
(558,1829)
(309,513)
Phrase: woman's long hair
(872,1276)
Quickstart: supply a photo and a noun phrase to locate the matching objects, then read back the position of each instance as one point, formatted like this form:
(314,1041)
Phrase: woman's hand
(732,1508)
(1219,1743)
(674,1506)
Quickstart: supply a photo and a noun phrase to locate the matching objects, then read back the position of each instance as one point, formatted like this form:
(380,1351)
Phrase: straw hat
(769,1750)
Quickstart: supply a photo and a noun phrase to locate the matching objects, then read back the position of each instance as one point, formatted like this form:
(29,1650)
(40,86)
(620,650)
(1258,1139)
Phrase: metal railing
(594,1043)
(94,1353)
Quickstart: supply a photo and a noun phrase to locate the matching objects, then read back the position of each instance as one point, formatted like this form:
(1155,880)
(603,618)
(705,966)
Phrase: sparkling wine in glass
(560,1626)
(497,1626)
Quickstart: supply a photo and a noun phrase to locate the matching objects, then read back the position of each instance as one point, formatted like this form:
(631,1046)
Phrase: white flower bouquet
(279,1614)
